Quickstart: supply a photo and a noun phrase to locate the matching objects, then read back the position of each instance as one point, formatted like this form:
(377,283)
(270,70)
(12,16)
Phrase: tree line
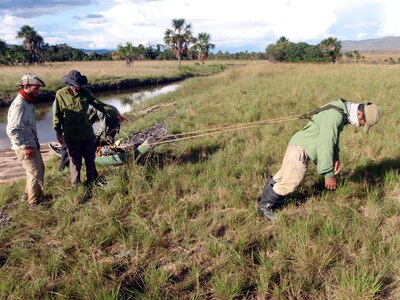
(180,44)
(328,50)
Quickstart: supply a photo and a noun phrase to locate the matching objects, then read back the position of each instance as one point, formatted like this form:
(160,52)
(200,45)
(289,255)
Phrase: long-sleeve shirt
(320,138)
(21,124)
(70,114)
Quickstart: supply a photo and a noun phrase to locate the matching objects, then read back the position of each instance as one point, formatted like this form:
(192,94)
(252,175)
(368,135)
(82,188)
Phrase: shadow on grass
(194,156)
(373,172)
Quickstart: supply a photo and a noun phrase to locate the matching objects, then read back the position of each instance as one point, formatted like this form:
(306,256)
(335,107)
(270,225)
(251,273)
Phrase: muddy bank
(11,168)
(48,96)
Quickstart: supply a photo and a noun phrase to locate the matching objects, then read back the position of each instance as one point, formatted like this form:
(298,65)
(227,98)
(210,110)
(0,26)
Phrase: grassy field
(380,57)
(184,225)
(102,72)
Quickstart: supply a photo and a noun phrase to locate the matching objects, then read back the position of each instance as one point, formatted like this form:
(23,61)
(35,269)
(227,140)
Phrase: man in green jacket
(71,123)
(317,141)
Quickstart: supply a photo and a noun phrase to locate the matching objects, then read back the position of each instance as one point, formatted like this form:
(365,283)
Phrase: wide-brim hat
(74,78)
(372,115)
(30,79)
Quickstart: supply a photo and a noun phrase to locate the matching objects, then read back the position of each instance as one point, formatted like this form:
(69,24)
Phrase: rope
(212,131)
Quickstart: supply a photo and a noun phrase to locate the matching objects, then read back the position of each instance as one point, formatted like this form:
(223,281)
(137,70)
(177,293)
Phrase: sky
(234,25)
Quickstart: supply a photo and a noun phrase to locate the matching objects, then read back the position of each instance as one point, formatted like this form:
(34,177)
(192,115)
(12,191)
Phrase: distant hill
(389,43)
(98,51)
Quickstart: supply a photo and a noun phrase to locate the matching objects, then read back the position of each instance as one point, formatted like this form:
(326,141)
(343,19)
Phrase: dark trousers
(64,162)
(83,149)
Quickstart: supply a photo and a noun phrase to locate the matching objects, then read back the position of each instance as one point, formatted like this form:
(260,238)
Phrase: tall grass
(182,223)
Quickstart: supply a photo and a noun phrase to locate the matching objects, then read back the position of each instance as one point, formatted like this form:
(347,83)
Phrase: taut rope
(206,132)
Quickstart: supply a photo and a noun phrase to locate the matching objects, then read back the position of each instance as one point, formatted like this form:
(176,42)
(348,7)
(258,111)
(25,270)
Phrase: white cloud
(9,26)
(361,35)
(391,24)
(231,24)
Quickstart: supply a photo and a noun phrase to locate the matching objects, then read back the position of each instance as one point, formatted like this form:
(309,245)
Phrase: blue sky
(234,25)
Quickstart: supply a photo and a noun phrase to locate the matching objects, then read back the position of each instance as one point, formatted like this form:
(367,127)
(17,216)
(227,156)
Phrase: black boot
(270,200)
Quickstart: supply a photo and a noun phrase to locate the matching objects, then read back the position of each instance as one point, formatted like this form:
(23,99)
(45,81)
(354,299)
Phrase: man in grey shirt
(21,129)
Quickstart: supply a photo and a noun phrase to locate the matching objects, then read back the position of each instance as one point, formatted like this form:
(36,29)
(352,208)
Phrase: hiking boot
(267,213)
(270,200)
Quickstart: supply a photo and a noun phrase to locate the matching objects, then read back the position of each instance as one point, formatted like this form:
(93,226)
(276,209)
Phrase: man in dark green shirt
(71,123)
(317,141)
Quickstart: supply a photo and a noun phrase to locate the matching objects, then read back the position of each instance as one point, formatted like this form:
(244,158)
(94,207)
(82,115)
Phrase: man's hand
(121,118)
(330,183)
(29,152)
(60,138)
(336,167)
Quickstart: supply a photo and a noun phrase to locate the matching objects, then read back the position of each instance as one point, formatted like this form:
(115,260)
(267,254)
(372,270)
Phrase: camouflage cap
(30,79)
(372,115)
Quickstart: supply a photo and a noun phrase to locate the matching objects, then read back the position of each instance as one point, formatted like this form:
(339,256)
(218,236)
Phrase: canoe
(118,158)
(124,154)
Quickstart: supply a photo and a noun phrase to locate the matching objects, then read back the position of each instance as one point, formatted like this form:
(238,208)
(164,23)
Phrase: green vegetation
(328,50)
(182,224)
(127,53)
(33,43)
(178,40)
(203,46)
(179,37)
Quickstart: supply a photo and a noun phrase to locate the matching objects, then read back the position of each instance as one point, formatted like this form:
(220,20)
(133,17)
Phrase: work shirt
(21,124)
(70,114)
(320,138)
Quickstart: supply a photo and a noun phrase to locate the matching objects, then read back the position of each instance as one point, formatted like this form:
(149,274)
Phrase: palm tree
(179,38)
(127,53)
(331,48)
(32,42)
(203,45)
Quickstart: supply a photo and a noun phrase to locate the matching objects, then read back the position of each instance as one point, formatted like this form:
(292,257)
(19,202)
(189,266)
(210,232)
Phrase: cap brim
(34,82)
(68,81)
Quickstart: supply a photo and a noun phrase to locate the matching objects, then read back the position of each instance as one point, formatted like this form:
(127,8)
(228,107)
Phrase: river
(122,100)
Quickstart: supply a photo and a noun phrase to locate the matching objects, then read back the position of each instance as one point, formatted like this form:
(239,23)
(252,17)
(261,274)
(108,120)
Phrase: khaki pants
(292,172)
(34,168)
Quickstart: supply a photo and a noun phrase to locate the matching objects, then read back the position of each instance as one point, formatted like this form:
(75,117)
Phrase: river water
(122,100)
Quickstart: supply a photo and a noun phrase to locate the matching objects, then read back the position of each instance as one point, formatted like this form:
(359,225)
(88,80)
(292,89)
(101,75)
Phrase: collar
(26,97)
(352,108)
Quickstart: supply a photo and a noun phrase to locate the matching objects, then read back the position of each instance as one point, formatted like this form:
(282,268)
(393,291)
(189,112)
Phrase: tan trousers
(292,172)
(34,168)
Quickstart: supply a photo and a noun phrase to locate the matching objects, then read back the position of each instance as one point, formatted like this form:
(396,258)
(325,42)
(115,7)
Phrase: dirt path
(11,168)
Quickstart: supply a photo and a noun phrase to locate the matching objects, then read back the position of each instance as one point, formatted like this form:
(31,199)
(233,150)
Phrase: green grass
(183,224)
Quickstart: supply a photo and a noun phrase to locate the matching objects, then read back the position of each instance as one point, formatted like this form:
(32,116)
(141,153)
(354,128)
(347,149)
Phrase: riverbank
(11,168)
(104,76)
(47,96)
